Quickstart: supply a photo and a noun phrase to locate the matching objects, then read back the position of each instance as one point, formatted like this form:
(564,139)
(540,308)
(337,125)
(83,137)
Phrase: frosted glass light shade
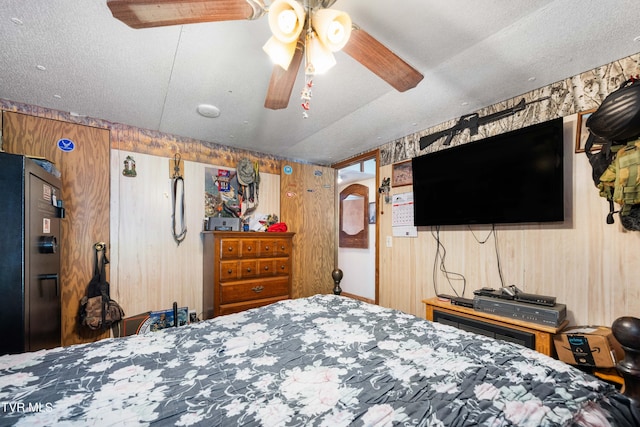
(333,28)
(318,55)
(279,52)
(286,20)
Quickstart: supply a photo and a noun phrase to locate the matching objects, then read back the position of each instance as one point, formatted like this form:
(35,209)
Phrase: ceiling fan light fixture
(279,52)
(319,57)
(286,20)
(333,28)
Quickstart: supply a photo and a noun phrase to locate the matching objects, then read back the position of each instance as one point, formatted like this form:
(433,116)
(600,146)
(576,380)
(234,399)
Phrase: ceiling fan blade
(282,81)
(159,13)
(365,49)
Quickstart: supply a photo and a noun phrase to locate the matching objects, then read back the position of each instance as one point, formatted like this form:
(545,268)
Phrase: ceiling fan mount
(360,45)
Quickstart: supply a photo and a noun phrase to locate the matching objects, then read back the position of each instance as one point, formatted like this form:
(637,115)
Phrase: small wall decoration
(224,180)
(582,132)
(66,145)
(129,167)
(402,174)
(221,198)
(384,190)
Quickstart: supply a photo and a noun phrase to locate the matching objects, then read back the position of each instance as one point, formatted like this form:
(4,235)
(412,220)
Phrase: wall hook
(176,167)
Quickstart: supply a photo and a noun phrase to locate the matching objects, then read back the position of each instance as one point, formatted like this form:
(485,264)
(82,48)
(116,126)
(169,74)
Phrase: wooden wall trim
(145,141)
(128,138)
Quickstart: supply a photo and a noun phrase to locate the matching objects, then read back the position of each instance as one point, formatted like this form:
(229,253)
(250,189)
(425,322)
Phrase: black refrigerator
(30,308)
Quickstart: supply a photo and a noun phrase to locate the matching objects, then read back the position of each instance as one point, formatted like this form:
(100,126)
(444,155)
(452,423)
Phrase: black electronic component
(514,294)
(535,313)
(493,293)
(535,299)
(464,302)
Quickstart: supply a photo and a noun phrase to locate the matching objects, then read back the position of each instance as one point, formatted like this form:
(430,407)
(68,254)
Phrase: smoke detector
(208,110)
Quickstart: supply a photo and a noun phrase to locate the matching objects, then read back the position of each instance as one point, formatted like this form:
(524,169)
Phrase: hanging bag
(97,310)
(613,129)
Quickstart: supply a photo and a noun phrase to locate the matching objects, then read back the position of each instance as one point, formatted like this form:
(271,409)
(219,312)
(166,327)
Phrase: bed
(324,360)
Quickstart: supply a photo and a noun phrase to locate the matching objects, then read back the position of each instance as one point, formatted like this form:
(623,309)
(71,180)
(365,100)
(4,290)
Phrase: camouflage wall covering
(579,93)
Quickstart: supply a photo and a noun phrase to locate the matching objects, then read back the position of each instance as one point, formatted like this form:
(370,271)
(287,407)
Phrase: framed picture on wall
(582,133)
(402,174)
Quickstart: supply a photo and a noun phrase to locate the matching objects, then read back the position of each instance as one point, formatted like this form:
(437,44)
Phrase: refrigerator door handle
(53,277)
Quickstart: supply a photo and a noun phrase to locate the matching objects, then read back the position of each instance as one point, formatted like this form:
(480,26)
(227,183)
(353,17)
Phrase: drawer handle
(249,248)
(229,271)
(266,268)
(282,267)
(249,270)
(230,248)
(258,289)
(266,248)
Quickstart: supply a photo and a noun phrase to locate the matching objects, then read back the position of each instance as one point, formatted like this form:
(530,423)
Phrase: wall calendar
(402,215)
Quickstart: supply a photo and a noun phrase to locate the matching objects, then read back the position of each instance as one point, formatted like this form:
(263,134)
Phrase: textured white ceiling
(472,53)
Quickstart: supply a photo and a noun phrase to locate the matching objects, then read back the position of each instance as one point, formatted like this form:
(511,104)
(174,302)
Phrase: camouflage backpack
(613,128)
(97,310)
(620,183)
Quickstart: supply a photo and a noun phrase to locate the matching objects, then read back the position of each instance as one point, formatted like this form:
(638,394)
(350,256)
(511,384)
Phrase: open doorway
(356,198)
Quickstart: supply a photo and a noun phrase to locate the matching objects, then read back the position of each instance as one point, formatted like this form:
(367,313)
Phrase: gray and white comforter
(319,361)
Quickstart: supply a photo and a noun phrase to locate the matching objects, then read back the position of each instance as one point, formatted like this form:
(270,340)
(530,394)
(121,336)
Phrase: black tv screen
(515,177)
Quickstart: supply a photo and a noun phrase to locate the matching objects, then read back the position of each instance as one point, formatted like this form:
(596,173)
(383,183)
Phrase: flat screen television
(515,177)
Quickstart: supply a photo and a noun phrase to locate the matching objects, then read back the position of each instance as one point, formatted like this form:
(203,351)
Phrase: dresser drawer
(282,266)
(275,247)
(249,248)
(283,247)
(273,267)
(228,270)
(229,248)
(253,290)
(248,269)
(266,267)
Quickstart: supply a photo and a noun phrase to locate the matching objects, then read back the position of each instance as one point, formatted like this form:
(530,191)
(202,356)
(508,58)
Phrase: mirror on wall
(354,217)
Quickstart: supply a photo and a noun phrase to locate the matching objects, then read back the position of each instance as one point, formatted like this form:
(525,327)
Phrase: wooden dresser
(243,270)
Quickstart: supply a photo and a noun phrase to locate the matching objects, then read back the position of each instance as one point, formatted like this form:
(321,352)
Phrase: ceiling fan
(297,27)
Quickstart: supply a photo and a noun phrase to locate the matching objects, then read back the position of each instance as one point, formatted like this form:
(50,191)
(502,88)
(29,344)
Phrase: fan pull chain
(309,70)
(305,95)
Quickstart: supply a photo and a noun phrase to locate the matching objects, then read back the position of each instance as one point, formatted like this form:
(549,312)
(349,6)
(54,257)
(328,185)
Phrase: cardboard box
(593,346)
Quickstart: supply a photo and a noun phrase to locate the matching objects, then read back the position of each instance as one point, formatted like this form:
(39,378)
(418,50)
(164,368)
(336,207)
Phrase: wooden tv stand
(543,334)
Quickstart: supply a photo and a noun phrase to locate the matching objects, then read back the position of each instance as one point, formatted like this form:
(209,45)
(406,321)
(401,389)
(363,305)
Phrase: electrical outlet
(389,241)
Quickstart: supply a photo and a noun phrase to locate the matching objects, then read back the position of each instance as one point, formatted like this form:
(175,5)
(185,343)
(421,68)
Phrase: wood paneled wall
(307,206)
(149,270)
(585,263)
(85,192)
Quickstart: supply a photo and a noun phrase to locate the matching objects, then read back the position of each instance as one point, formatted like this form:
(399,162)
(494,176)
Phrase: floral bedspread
(319,361)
